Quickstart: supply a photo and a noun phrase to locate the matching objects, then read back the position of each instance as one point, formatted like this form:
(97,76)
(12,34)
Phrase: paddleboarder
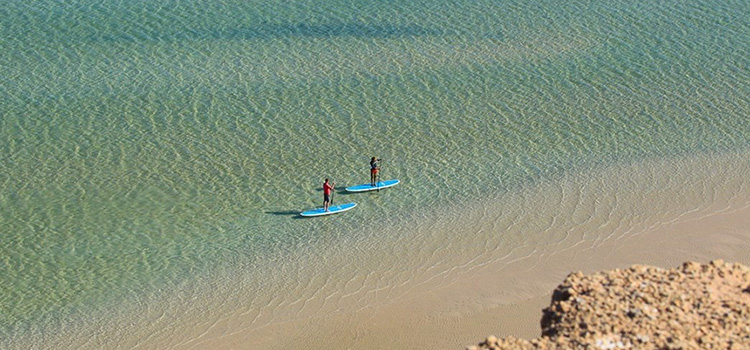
(327,188)
(374,168)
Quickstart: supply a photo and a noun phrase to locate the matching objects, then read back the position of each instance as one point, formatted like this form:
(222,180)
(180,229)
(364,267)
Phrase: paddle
(377,177)
(333,191)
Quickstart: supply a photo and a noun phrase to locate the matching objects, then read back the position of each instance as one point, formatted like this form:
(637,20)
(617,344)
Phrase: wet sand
(503,300)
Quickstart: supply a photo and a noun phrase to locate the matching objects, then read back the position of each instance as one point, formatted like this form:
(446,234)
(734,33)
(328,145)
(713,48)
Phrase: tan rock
(693,307)
(491,340)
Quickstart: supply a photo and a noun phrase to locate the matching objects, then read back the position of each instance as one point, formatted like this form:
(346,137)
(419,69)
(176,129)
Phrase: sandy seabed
(506,300)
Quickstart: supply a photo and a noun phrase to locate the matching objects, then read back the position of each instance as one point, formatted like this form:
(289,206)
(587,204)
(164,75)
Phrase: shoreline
(505,302)
(494,278)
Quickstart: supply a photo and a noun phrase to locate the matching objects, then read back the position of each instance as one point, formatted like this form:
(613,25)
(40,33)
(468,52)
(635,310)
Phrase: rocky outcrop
(695,306)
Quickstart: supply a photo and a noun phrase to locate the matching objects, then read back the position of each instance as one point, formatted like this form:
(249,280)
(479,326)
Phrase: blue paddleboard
(369,187)
(334,209)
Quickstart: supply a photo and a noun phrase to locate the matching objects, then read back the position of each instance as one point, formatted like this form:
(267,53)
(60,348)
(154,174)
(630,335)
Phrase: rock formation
(695,306)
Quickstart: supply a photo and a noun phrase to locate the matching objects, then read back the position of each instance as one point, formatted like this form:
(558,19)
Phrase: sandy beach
(501,300)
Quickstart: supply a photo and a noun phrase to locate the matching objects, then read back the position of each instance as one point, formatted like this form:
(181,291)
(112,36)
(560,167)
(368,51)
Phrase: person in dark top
(374,169)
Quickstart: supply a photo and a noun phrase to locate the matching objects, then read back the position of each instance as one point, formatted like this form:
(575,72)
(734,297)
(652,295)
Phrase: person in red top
(327,188)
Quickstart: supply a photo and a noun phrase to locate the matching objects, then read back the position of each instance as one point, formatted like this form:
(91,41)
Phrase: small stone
(691,266)
(564,307)
(491,340)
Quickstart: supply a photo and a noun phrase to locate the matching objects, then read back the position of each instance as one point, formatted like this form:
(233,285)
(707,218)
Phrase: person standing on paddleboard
(327,188)
(374,168)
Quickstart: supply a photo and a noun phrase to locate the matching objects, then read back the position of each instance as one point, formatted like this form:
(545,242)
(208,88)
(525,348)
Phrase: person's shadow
(283,212)
(292,214)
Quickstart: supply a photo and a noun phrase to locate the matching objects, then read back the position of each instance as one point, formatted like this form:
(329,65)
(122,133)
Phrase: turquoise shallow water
(146,146)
